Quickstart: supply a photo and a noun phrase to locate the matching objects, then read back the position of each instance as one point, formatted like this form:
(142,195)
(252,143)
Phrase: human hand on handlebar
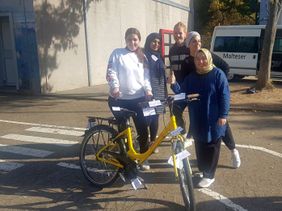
(115,92)
(149,95)
(221,121)
(171,78)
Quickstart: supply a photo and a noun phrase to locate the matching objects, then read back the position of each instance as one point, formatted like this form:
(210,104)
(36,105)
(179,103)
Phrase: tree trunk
(264,81)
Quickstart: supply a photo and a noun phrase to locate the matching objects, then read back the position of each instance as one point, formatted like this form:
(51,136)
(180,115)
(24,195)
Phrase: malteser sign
(233,56)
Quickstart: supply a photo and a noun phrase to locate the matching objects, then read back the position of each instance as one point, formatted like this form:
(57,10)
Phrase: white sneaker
(205,182)
(156,150)
(235,158)
(145,166)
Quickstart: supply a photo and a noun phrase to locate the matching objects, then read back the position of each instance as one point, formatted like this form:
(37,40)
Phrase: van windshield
(236,44)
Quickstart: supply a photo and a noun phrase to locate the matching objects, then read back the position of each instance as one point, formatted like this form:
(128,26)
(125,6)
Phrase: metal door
(8,68)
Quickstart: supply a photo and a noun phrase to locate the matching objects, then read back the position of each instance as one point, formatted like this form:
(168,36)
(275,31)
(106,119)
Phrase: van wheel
(230,76)
(234,77)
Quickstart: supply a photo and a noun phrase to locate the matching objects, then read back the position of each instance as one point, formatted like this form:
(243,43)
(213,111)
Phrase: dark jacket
(214,103)
(188,66)
(157,71)
(176,56)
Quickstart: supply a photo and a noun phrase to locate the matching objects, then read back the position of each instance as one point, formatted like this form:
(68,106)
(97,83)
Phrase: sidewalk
(98,92)
(269,102)
(264,101)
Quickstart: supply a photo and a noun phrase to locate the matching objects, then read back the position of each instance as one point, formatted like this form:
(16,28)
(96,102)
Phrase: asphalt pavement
(44,183)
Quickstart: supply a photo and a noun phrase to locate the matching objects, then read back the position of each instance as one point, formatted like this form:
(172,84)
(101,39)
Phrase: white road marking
(24,151)
(40,140)
(260,149)
(9,166)
(42,125)
(56,131)
(68,165)
(227,202)
(73,166)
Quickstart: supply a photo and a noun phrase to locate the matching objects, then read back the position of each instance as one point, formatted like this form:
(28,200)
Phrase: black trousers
(207,157)
(228,139)
(139,120)
(153,123)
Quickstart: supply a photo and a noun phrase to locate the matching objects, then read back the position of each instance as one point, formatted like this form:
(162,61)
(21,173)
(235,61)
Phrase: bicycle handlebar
(170,99)
(155,103)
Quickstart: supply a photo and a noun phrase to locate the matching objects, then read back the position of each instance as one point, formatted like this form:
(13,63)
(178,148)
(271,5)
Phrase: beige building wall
(63,52)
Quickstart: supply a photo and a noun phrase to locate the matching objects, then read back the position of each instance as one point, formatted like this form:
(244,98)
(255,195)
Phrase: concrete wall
(61,45)
(62,37)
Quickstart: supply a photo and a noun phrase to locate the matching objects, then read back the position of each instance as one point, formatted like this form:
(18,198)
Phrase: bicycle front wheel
(185,180)
(99,173)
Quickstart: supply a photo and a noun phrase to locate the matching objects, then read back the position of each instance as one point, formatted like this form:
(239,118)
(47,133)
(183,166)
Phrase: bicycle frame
(133,155)
(126,134)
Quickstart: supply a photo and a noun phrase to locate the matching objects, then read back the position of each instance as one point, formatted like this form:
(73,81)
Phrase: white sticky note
(116,108)
(149,111)
(180,96)
(179,157)
(155,103)
(176,132)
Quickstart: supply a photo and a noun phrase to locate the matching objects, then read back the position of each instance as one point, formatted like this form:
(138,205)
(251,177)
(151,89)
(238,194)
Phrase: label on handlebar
(149,111)
(155,103)
(180,96)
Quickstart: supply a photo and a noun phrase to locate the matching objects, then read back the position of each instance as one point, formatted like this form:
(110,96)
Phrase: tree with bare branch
(264,81)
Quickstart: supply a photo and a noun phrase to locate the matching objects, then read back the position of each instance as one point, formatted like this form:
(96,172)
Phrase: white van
(241,45)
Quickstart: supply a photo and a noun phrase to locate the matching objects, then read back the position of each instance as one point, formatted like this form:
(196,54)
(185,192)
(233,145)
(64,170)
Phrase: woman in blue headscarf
(156,68)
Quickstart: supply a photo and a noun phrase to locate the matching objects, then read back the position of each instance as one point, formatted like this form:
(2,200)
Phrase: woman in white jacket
(129,83)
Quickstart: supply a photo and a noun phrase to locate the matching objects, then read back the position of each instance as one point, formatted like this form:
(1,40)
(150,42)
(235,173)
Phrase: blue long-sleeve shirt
(214,103)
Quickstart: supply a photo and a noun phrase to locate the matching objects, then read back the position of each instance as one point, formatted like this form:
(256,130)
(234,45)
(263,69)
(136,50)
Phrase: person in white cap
(193,43)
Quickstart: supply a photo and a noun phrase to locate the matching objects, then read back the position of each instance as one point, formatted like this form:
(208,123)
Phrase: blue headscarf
(149,52)
(149,39)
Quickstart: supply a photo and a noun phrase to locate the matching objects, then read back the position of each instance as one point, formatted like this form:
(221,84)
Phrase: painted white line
(73,166)
(55,131)
(260,149)
(41,125)
(224,200)
(24,151)
(9,166)
(40,140)
(68,165)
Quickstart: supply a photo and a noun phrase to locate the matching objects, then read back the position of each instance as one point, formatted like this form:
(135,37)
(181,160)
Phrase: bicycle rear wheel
(99,173)
(185,181)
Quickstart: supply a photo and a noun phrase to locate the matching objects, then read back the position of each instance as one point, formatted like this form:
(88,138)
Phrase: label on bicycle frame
(179,157)
(155,103)
(149,111)
(116,108)
(176,132)
(180,96)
